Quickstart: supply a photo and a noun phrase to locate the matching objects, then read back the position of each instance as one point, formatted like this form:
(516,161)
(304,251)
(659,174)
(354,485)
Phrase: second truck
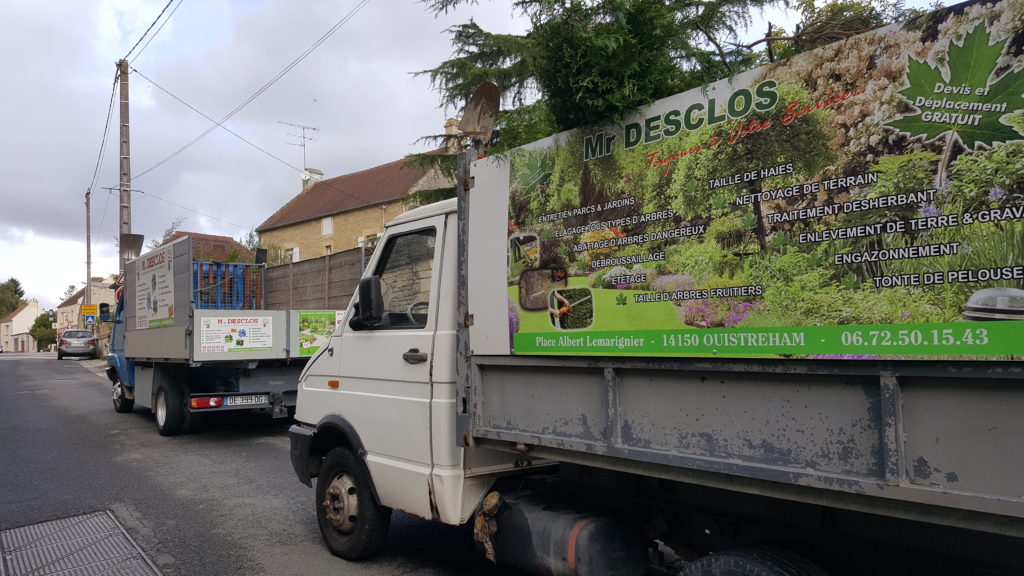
(191,338)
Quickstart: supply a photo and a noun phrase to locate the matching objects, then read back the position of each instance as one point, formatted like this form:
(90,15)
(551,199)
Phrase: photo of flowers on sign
(862,200)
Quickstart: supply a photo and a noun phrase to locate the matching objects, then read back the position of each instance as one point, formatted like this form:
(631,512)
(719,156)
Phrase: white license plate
(245,400)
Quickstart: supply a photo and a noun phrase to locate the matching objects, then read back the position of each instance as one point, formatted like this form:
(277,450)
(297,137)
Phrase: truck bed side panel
(926,433)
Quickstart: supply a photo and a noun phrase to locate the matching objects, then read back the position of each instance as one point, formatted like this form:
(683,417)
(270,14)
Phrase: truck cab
(383,392)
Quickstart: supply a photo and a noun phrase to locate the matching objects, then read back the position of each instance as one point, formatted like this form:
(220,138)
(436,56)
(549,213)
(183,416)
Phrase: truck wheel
(122,404)
(351,521)
(170,410)
(753,561)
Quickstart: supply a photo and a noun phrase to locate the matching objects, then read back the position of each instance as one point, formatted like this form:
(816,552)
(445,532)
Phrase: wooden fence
(326,283)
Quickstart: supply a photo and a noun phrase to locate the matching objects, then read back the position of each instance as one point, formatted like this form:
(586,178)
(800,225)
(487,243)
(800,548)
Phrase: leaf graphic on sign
(965,99)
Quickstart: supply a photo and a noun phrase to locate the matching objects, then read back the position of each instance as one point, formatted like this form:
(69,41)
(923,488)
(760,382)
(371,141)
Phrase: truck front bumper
(301,439)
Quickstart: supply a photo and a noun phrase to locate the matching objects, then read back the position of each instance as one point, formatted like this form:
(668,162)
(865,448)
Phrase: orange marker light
(333,383)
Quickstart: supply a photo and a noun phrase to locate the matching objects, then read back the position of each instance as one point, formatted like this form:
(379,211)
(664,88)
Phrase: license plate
(245,400)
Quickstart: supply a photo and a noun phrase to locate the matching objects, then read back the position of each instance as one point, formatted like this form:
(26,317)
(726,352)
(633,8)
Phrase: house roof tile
(11,316)
(383,183)
(215,248)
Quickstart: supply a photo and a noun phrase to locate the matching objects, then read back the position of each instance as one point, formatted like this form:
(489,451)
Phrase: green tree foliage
(595,60)
(11,296)
(250,239)
(480,56)
(68,293)
(521,125)
(823,23)
(42,331)
(174,227)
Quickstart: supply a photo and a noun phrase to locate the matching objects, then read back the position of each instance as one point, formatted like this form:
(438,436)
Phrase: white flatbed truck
(491,373)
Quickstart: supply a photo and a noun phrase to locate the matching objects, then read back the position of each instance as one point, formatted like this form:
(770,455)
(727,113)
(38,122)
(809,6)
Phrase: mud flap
(278,409)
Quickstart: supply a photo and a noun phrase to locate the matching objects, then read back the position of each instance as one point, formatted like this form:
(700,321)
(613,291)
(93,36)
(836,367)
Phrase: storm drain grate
(88,545)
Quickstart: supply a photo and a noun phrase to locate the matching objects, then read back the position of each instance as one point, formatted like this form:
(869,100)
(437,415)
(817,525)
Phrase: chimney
(311,176)
(451,131)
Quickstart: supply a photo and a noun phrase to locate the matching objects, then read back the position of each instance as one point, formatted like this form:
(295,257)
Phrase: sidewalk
(96,366)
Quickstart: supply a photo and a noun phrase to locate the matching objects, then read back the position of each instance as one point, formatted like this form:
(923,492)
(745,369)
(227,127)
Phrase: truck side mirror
(371,304)
(105,312)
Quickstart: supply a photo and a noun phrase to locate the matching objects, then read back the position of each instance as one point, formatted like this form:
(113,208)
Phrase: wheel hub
(341,503)
(161,409)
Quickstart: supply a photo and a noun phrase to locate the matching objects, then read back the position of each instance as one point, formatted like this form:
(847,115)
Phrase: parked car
(1,349)
(76,343)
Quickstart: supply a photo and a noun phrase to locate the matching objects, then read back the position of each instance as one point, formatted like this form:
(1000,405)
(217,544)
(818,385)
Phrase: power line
(162,24)
(263,88)
(106,132)
(216,124)
(236,135)
(169,2)
(110,192)
(255,95)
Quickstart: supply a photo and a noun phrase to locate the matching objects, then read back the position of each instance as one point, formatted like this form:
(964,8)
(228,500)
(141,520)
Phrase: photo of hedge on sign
(862,200)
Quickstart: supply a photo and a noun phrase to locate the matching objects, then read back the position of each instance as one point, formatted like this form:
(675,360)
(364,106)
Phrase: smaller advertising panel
(154,289)
(236,334)
(315,329)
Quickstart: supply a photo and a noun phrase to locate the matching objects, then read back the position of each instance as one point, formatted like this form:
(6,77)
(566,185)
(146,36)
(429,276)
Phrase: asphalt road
(222,502)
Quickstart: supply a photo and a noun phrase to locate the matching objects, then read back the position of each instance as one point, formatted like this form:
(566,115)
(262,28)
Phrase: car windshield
(77,334)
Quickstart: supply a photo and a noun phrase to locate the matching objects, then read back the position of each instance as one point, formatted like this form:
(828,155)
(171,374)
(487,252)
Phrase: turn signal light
(333,383)
(207,402)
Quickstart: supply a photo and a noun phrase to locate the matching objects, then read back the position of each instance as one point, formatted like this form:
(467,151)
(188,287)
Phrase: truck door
(386,369)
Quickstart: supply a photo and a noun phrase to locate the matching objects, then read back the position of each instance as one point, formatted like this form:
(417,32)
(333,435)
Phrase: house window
(291,254)
(327,250)
(326,226)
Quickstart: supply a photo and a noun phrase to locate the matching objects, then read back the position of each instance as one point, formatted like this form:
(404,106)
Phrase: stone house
(69,312)
(337,214)
(14,328)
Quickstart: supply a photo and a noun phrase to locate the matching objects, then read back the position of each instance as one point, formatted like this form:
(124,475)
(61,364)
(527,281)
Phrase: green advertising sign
(316,328)
(865,199)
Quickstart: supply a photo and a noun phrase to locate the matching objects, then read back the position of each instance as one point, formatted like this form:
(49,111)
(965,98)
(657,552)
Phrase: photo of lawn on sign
(524,253)
(571,309)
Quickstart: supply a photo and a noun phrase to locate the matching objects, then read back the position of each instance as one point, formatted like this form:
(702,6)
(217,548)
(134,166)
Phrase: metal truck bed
(935,441)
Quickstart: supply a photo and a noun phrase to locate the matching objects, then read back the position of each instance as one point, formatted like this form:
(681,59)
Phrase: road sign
(89,310)
(90,319)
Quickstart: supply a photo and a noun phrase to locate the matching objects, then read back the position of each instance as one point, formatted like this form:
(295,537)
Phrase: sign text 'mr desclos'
(697,115)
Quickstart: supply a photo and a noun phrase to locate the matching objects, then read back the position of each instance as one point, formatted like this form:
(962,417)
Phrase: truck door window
(405,271)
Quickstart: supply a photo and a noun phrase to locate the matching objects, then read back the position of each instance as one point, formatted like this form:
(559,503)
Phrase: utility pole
(88,247)
(126,165)
(302,138)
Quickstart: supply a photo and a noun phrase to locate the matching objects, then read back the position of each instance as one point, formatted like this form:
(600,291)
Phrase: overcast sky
(59,63)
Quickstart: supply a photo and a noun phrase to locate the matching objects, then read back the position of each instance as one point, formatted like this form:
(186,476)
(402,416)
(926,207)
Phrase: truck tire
(122,404)
(351,521)
(753,561)
(169,409)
